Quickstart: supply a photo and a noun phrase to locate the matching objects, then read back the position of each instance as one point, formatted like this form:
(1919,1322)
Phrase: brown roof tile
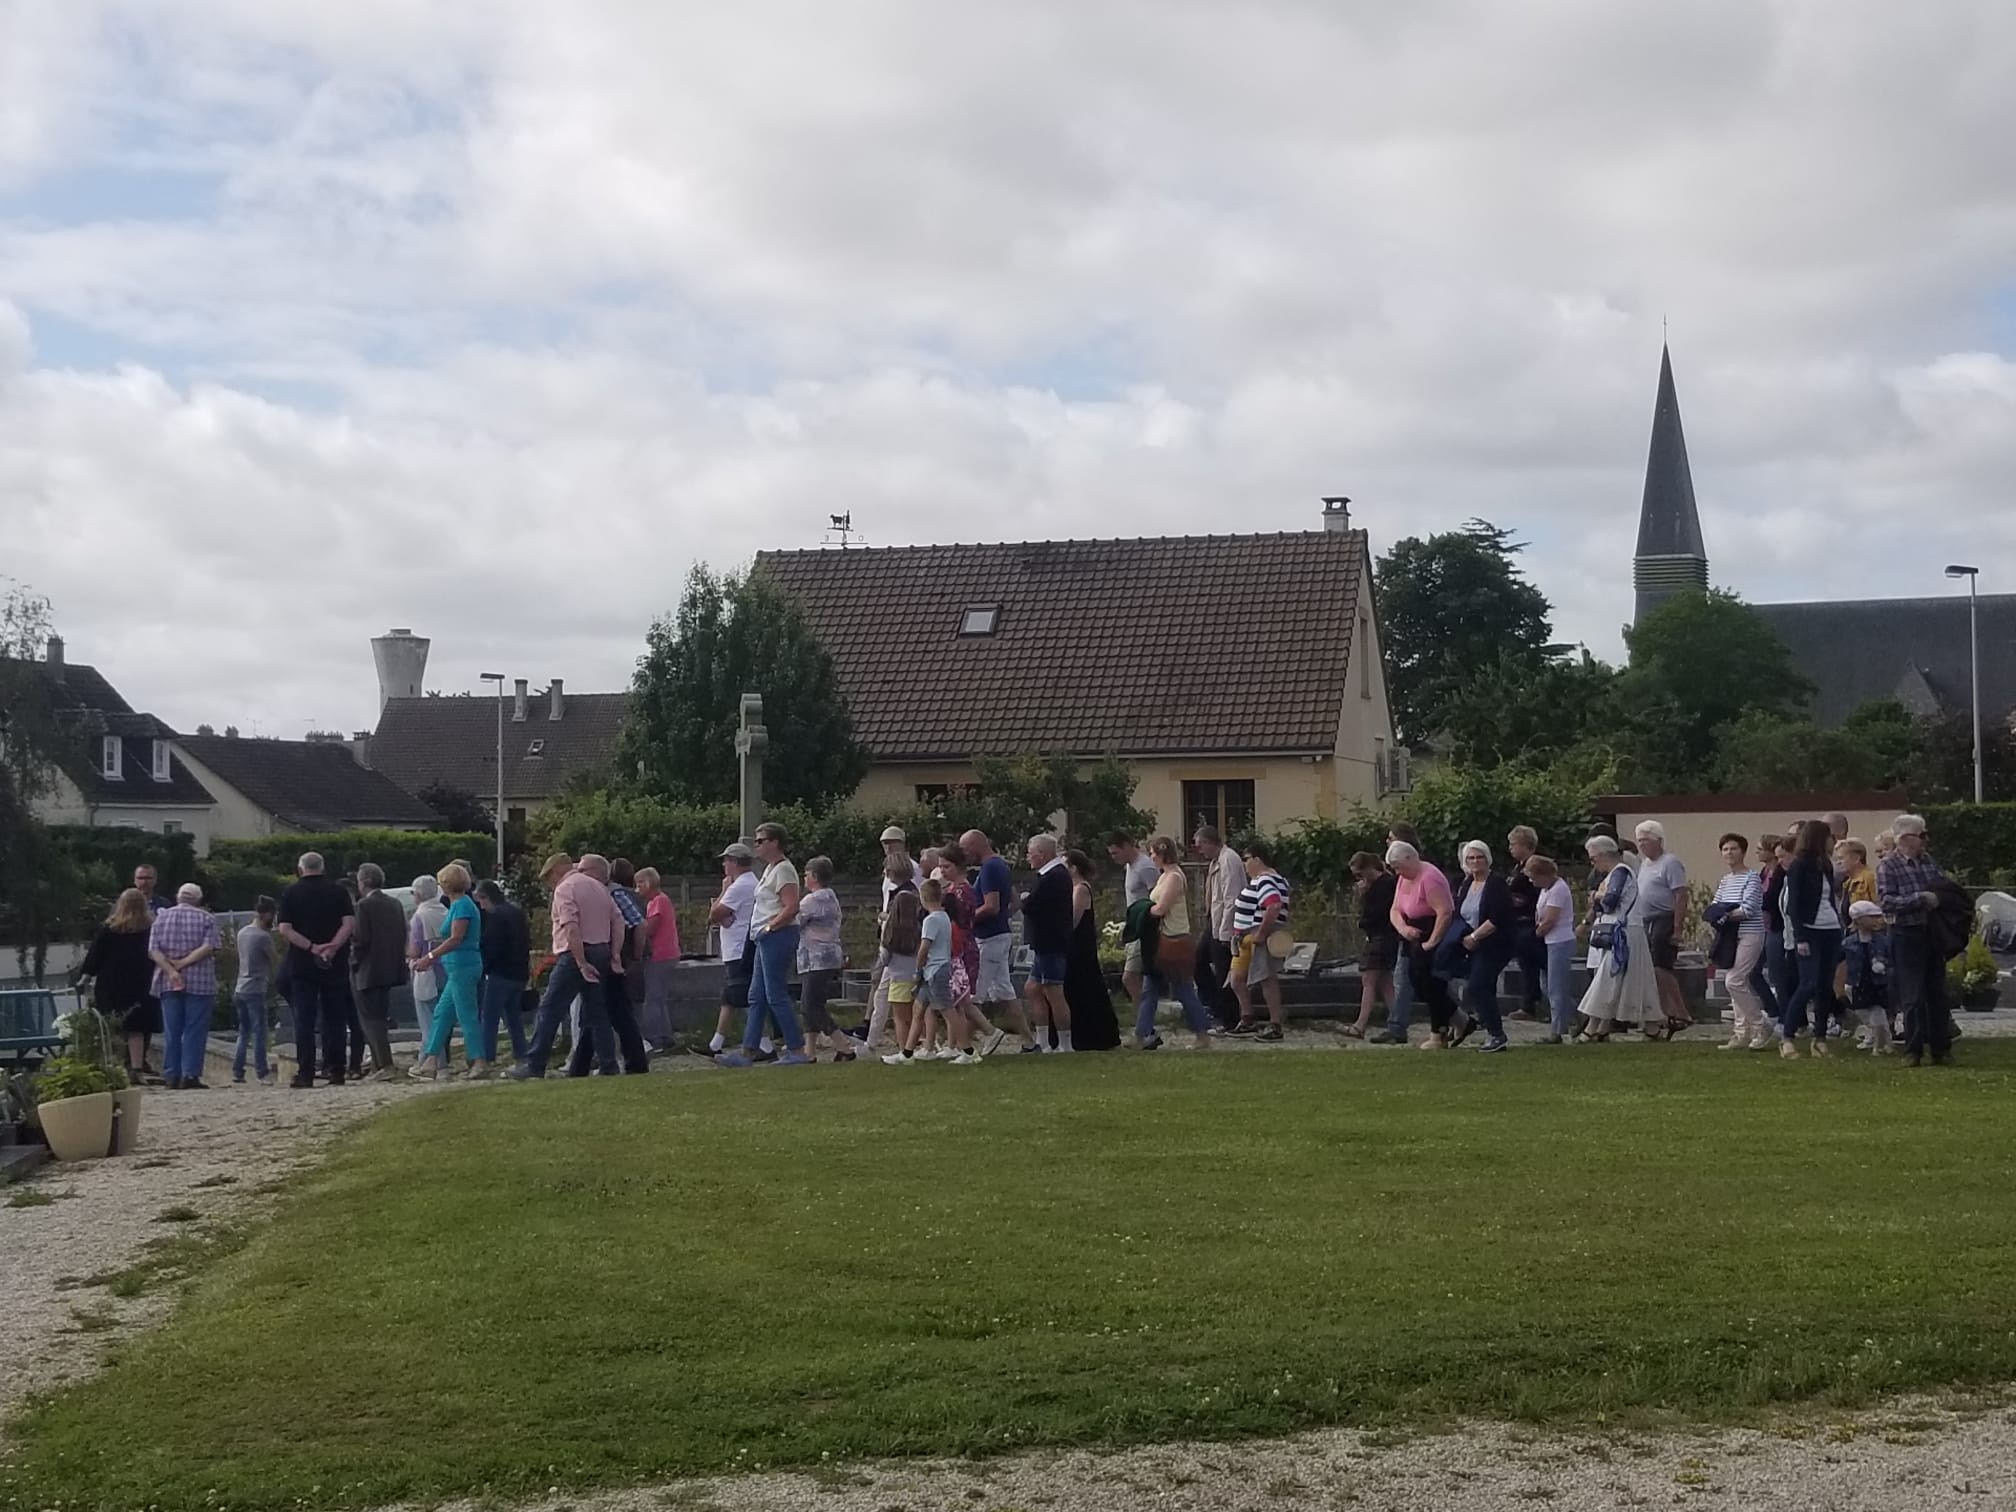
(1165,645)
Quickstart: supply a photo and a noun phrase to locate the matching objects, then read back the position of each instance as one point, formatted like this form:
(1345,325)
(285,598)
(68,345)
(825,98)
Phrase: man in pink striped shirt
(588,950)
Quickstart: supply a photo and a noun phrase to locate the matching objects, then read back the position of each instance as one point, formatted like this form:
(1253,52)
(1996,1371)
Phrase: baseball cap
(1862,908)
(895,832)
(738,852)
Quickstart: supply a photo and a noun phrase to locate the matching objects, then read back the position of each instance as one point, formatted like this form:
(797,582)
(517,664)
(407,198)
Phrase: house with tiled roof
(275,787)
(1239,675)
(119,766)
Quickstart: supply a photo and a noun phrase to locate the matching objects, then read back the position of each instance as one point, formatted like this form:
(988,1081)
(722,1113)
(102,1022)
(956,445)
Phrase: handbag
(1175,956)
(1280,944)
(1602,936)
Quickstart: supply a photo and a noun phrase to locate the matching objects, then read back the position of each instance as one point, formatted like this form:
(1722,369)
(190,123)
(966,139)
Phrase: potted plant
(74,1101)
(1973,978)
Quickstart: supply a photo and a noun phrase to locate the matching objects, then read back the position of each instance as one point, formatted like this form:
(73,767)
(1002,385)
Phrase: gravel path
(207,1151)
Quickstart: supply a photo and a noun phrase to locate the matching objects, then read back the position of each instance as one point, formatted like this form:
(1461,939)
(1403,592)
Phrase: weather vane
(840,530)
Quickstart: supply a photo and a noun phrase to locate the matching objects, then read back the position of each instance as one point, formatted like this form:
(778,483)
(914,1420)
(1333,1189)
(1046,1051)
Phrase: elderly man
(1046,928)
(183,944)
(1662,909)
(995,885)
(317,920)
(377,965)
(616,984)
(587,935)
(1905,884)
(1224,879)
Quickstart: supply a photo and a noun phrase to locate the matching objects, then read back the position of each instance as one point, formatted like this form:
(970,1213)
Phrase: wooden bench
(27,1025)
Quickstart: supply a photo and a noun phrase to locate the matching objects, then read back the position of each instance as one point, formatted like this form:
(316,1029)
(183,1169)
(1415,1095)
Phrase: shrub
(71,1076)
(1973,841)
(1972,973)
(404,854)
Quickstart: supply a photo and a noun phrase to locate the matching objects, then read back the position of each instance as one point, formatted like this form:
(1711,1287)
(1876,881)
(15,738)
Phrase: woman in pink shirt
(1423,905)
(661,954)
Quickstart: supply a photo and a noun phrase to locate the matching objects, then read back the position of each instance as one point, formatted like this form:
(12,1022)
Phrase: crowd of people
(1810,935)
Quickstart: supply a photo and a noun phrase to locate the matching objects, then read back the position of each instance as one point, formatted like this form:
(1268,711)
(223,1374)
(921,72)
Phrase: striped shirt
(1744,890)
(176,932)
(1254,898)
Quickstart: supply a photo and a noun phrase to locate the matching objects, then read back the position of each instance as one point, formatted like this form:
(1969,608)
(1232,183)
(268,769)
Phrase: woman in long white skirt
(1622,983)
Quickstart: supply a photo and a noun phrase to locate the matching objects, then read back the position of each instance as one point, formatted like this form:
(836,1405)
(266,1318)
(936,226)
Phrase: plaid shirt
(1899,881)
(626,905)
(176,932)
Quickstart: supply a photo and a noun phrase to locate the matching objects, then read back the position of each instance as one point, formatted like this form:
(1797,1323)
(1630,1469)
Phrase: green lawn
(515,1288)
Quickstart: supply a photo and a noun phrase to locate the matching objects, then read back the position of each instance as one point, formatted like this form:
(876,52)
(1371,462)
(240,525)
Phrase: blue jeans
(770,989)
(1403,997)
(564,985)
(1560,985)
(1184,990)
(503,1001)
(1779,977)
(185,1030)
(251,1006)
(1822,953)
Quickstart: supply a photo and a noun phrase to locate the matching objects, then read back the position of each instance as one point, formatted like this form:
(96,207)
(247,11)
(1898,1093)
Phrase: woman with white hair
(1622,983)
(1422,909)
(1485,938)
(429,913)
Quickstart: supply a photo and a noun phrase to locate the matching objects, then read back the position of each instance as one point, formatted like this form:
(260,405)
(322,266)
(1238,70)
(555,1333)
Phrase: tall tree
(732,635)
(1452,606)
(1940,768)
(458,808)
(37,885)
(1524,707)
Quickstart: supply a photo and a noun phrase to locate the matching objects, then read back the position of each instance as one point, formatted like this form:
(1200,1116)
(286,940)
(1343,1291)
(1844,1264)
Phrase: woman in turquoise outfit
(459,950)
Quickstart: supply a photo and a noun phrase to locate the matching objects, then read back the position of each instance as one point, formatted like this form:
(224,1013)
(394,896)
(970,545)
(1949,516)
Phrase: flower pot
(126,1126)
(1981,999)
(78,1128)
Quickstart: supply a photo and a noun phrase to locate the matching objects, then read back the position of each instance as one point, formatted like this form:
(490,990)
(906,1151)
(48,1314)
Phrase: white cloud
(490,320)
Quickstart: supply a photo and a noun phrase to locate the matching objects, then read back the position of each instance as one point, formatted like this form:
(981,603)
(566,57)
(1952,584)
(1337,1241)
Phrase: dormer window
(161,768)
(538,748)
(981,619)
(111,759)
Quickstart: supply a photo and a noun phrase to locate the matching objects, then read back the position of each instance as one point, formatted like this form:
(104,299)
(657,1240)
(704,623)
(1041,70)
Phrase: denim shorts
(935,990)
(1047,970)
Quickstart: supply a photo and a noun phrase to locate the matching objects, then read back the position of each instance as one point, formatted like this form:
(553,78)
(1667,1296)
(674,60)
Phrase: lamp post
(1973,576)
(498,678)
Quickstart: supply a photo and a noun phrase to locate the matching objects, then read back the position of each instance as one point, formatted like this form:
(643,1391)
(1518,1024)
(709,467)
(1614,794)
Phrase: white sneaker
(899,1059)
(994,1042)
(1736,1043)
(966,1058)
(1788,1049)
(1762,1042)
(944,1053)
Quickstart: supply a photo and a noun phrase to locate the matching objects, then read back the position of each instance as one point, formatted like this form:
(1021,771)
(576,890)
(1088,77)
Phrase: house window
(1226,806)
(944,792)
(538,748)
(111,758)
(1364,655)
(982,619)
(171,826)
(161,771)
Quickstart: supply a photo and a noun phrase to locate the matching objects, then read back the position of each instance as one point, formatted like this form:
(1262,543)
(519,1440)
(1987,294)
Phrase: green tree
(459,808)
(1940,767)
(39,889)
(1698,662)
(1452,606)
(1760,752)
(731,635)
(1525,707)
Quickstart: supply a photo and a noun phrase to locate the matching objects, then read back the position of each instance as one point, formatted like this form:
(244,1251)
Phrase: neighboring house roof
(88,708)
(422,741)
(307,785)
(1915,650)
(1158,646)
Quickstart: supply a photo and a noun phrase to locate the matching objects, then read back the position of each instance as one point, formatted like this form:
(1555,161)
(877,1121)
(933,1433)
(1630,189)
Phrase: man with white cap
(730,914)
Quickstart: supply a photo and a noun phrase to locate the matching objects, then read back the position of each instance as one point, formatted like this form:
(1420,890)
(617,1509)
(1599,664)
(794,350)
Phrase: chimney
(1337,514)
(518,703)
(402,664)
(56,656)
(557,704)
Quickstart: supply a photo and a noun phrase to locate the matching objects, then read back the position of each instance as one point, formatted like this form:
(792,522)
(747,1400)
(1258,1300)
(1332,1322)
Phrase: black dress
(1093,1025)
(124,977)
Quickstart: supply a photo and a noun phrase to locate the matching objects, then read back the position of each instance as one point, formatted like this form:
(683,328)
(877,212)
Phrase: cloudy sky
(489,318)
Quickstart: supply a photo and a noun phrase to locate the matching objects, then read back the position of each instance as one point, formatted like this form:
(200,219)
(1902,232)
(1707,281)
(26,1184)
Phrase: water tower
(402,663)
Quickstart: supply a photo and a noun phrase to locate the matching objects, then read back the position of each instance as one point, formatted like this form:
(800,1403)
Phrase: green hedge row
(404,854)
(1975,842)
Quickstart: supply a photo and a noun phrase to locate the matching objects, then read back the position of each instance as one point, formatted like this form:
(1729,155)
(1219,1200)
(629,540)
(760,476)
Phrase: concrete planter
(78,1128)
(126,1125)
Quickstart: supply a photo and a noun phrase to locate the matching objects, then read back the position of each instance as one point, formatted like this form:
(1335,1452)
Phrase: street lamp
(1973,575)
(498,678)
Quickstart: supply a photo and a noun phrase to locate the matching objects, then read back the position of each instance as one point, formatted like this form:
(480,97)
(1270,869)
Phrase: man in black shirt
(316,921)
(507,967)
(1527,949)
(1046,930)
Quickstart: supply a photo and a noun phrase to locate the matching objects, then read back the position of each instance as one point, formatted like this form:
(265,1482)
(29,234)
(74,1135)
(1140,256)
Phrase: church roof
(1913,649)
(1669,524)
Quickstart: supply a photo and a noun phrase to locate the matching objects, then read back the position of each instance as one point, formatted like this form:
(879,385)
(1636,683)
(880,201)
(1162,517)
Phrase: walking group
(1811,937)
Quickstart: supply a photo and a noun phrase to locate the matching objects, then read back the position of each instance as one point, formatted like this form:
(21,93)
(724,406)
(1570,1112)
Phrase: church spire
(1671,558)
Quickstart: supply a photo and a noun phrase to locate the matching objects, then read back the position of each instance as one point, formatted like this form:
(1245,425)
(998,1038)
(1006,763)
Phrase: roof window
(981,619)
(538,748)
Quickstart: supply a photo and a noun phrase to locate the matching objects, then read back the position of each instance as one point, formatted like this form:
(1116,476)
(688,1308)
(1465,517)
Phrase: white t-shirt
(1658,881)
(937,940)
(1556,894)
(770,892)
(740,895)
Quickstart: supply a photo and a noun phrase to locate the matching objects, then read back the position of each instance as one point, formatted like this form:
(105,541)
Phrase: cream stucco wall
(66,805)
(1696,838)
(1365,723)
(236,817)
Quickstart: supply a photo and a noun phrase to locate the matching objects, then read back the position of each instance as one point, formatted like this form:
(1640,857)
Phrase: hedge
(404,854)
(1975,842)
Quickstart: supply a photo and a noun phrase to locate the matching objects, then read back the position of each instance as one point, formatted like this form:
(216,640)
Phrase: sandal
(1352,1031)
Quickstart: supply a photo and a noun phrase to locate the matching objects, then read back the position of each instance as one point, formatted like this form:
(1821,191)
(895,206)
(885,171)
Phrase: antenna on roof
(841,532)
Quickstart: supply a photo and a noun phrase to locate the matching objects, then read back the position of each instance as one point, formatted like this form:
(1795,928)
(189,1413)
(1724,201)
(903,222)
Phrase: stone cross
(751,741)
